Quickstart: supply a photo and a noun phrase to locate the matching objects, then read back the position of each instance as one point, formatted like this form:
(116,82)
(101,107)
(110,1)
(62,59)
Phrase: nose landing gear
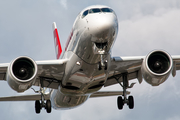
(102,64)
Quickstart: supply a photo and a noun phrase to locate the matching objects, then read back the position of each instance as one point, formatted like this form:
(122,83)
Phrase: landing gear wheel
(37,106)
(105,68)
(48,106)
(120,103)
(131,102)
(99,66)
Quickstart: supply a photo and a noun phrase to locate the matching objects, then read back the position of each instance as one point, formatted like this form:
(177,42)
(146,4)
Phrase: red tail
(57,41)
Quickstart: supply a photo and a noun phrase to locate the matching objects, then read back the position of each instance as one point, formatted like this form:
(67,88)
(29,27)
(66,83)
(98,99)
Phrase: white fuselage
(90,43)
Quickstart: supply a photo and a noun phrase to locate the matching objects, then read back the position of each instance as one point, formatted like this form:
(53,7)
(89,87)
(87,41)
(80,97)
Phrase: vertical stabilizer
(57,41)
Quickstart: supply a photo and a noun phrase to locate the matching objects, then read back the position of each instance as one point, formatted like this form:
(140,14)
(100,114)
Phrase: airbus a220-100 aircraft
(85,66)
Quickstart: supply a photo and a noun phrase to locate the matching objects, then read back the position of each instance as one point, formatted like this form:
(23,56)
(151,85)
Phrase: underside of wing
(120,65)
(50,73)
(3,70)
(176,60)
(155,68)
(23,72)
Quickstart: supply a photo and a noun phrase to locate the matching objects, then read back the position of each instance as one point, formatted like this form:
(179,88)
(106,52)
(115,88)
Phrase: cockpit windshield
(85,13)
(106,10)
(97,10)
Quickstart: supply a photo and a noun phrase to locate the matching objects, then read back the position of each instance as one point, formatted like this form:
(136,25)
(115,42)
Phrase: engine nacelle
(156,67)
(21,73)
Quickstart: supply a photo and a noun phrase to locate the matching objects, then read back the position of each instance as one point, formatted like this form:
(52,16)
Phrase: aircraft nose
(103,28)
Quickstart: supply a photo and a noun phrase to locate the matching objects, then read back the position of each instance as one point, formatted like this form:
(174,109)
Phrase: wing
(50,72)
(47,96)
(132,66)
(25,97)
(120,65)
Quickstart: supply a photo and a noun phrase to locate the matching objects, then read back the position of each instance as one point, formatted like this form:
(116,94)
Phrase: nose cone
(103,27)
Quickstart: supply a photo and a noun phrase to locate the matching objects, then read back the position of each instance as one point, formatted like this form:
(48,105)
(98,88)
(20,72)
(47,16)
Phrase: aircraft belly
(64,101)
(68,97)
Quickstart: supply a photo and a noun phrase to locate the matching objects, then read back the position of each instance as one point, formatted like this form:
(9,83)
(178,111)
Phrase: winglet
(57,41)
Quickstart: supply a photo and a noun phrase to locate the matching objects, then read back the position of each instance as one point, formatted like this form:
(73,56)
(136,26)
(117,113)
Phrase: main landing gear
(121,100)
(39,104)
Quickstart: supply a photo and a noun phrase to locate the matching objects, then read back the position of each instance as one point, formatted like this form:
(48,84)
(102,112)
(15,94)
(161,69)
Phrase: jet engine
(21,73)
(156,67)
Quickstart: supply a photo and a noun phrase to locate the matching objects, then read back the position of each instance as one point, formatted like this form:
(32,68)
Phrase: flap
(25,97)
(107,93)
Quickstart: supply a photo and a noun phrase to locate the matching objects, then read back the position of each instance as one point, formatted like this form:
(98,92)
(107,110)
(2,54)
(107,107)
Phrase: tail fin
(57,41)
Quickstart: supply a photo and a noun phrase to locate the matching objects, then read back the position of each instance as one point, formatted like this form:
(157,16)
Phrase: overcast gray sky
(144,25)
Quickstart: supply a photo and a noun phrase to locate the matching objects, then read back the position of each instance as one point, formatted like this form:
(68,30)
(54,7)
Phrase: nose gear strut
(102,64)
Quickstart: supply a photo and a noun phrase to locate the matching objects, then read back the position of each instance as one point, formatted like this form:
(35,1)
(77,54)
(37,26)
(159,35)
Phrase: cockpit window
(106,10)
(95,10)
(85,13)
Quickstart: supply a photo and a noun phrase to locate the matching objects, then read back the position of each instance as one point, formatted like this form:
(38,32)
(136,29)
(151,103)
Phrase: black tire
(105,66)
(37,106)
(48,106)
(120,103)
(99,66)
(131,102)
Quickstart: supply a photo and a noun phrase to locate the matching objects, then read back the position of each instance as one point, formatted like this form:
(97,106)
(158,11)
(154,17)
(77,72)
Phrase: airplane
(85,66)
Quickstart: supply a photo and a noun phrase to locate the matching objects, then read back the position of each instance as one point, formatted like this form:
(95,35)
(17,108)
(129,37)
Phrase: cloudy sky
(144,25)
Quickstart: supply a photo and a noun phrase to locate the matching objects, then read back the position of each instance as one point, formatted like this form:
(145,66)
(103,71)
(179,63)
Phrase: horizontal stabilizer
(25,97)
(107,93)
